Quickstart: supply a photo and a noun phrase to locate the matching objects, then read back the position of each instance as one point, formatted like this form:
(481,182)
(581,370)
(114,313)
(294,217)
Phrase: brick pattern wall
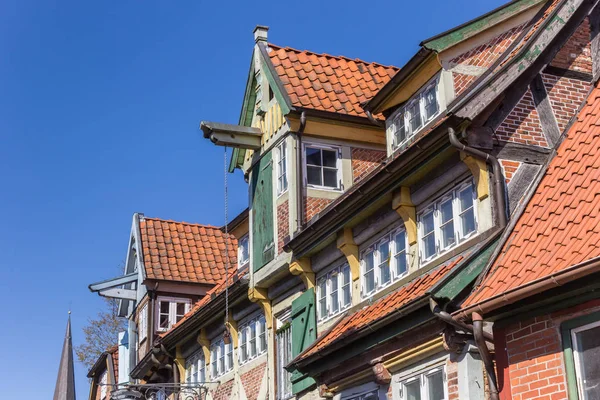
(283,224)
(223,391)
(566,96)
(535,359)
(522,125)
(252,380)
(364,161)
(462,82)
(452,379)
(509,167)
(314,205)
(576,54)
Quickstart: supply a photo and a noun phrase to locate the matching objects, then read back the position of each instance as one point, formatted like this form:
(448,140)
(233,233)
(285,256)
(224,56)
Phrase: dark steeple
(65,382)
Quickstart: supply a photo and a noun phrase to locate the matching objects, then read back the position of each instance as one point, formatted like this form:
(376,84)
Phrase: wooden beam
(402,203)
(122,294)
(115,282)
(301,267)
(521,152)
(544,108)
(346,244)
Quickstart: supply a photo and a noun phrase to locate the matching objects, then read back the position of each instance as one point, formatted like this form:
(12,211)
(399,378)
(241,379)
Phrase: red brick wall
(576,54)
(223,391)
(566,96)
(452,379)
(522,125)
(314,205)
(509,167)
(251,381)
(364,161)
(283,224)
(535,360)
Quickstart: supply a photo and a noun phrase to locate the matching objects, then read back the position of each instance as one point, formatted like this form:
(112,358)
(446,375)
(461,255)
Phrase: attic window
(323,166)
(170,311)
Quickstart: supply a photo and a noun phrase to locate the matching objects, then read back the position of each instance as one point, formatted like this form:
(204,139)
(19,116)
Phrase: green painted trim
(246,114)
(283,103)
(467,274)
(565,330)
(472,28)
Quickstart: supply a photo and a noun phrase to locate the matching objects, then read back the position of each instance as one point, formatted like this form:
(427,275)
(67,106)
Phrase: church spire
(65,382)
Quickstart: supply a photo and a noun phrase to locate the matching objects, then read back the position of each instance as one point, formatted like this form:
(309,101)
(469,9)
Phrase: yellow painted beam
(402,203)
(414,354)
(204,343)
(232,326)
(302,268)
(259,296)
(180,363)
(346,244)
(336,130)
(480,174)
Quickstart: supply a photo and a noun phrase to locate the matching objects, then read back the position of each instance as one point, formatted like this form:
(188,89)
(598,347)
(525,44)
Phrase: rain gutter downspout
(446,317)
(374,120)
(299,173)
(499,187)
(485,355)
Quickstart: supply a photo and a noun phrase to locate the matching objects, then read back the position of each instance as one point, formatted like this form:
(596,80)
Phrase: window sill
(470,241)
(333,316)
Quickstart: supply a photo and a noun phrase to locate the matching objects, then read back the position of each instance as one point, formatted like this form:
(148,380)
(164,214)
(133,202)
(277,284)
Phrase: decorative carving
(453,341)
(325,392)
(402,203)
(346,244)
(382,375)
(259,296)
(302,268)
(480,174)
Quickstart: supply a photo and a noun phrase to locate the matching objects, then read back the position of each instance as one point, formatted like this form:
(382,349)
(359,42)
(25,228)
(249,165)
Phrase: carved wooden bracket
(259,295)
(302,268)
(402,203)
(382,375)
(180,362)
(346,244)
(232,327)
(325,392)
(203,341)
(480,173)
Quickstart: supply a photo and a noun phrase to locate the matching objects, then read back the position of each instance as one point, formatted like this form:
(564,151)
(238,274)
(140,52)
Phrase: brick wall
(314,205)
(452,379)
(283,224)
(223,391)
(522,125)
(364,161)
(252,380)
(509,167)
(576,54)
(536,368)
(566,96)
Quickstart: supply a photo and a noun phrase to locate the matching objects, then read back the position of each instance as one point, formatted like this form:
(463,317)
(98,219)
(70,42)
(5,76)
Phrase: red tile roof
(381,308)
(185,252)
(328,83)
(560,226)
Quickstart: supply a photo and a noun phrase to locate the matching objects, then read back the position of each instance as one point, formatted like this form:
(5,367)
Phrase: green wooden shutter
(263,244)
(304,333)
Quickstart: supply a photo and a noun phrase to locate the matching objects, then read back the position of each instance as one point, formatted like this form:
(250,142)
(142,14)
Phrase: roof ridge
(182,222)
(340,57)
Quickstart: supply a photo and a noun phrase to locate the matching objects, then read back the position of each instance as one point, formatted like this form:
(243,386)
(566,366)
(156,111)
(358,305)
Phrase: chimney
(260,33)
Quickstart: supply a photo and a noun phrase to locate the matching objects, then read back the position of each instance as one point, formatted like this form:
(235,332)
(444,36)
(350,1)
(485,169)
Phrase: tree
(101,333)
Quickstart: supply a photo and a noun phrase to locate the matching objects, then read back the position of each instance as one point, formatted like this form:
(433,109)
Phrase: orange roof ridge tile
(182,222)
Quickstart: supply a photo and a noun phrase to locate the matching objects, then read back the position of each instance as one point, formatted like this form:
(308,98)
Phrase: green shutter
(304,333)
(263,245)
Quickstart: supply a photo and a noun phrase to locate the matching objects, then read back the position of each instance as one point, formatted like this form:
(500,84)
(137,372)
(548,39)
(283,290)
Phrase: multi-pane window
(221,358)
(283,341)
(333,292)
(427,385)
(282,180)
(243,254)
(170,311)
(252,336)
(415,114)
(195,371)
(143,322)
(322,167)
(586,352)
(370,395)
(447,222)
(384,262)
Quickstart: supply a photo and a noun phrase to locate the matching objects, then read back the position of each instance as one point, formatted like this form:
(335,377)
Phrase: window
(103,385)
(221,358)
(282,180)
(195,368)
(322,167)
(283,341)
(384,262)
(243,254)
(581,344)
(170,311)
(428,385)
(143,323)
(371,395)
(447,222)
(333,292)
(252,336)
(417,112)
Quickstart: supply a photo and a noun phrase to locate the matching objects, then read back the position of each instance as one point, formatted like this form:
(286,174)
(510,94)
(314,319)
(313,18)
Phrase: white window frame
(195,365)
(245,338)
(143,323)
(390,238)
(577,354)
(420,372)
(456,220)
(338,166)
(241,261)
(283,343)
(282,168)
(173,301)
(403,113)
(326,277)
(103,385)
(361,391)
(220,351)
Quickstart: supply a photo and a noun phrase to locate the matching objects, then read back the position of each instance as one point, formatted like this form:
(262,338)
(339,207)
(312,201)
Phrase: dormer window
(323,166)
(415,113)
(170,311)
(243,254)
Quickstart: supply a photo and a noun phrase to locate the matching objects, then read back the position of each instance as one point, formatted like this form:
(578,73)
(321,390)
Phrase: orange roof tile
(560,226)
(181,251)
(328,83)
(381,308)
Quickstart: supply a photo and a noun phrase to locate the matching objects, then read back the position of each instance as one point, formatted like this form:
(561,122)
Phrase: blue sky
(100,103)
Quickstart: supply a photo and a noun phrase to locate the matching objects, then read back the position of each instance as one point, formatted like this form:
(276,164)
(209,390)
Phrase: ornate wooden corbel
(180,362)
(345,242)
(382,375)
(480,174)
(232,327)
(325,392)
(259,295)
(302,268)
(204,343)
(402,203)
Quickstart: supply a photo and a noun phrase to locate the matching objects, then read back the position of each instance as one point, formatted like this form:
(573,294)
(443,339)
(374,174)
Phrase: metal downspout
(485,355)
(444,316)
(499,187)
(299,174)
